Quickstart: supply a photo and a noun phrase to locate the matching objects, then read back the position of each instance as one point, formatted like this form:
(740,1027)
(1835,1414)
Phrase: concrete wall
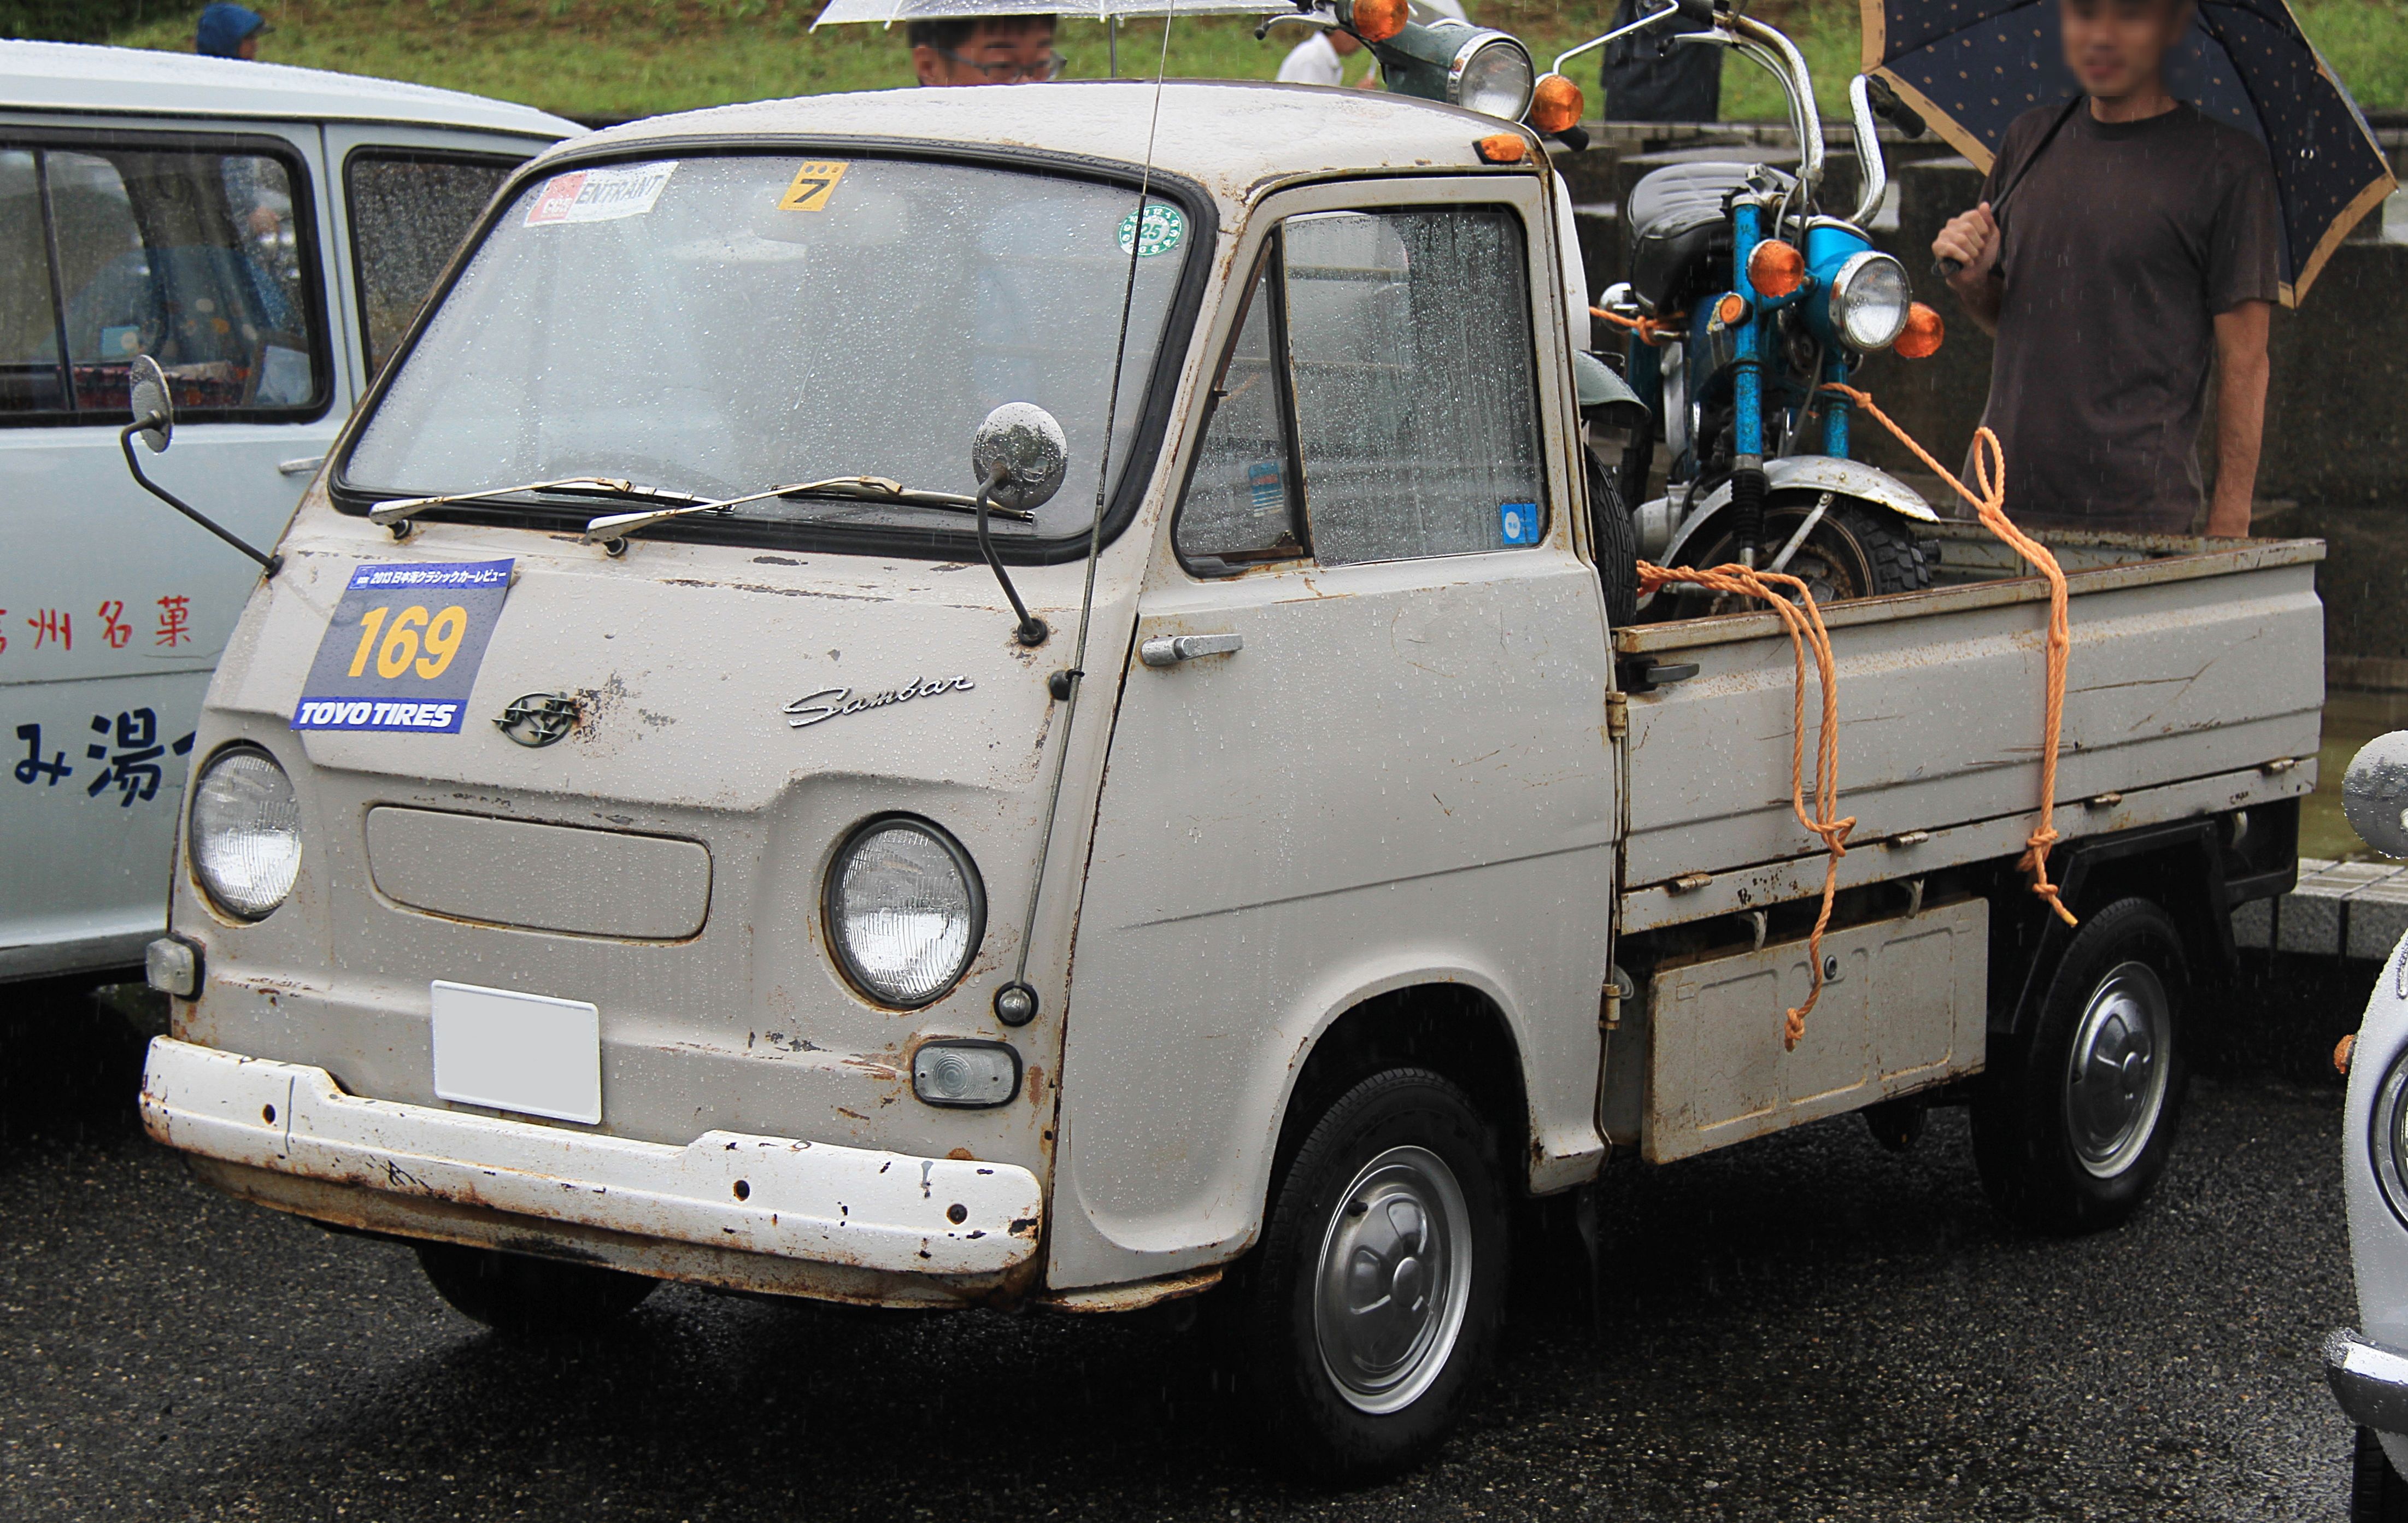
(2336,457)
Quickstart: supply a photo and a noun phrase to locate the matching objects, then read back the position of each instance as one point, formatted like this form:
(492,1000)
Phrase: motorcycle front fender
(1794,473)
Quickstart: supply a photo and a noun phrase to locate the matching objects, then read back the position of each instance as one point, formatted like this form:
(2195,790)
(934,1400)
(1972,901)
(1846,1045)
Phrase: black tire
(1615,539)
(1375,1148)
(2069,1147)
(1858,551)
(539,1299)
(2376,1492)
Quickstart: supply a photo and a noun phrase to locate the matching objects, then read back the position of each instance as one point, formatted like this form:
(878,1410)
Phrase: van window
(408,212)
(1417,382)
(30,379)
(197,257)
(1239,506)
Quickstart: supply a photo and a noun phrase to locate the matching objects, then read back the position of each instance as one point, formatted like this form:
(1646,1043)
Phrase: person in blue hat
(229,32)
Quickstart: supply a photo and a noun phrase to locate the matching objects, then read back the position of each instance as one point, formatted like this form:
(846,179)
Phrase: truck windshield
(718,322)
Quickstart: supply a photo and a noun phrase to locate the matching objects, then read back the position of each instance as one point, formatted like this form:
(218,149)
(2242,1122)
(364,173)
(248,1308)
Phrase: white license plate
(527,1053)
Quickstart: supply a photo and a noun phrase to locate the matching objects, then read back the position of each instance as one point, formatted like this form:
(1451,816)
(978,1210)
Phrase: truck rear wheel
(2074,1124)
(530,1297)
(1368,1309)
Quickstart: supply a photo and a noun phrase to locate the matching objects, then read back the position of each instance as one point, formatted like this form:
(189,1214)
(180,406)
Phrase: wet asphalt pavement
(1801,1327)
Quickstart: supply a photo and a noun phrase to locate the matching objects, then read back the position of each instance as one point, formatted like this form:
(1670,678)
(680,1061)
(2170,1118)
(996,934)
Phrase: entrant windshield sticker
(402,649)
(600,195)
(813,184)
(1518,522)
(1164,228)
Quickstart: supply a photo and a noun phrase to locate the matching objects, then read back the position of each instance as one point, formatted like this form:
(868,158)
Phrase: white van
(267,234)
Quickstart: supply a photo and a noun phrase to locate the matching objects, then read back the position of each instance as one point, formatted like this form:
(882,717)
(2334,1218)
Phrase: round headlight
(246,832)
(1870,300)
(2387,1139)
(1491,74)
(905,910)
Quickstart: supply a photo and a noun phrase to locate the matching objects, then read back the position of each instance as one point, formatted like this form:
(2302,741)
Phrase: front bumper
(2370,1381)
(775,1195)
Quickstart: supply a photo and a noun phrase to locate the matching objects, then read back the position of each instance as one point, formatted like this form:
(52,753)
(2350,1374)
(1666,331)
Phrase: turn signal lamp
(1377,21)
(1502,147)
(1776,268)
(1555,104)
(1923,333)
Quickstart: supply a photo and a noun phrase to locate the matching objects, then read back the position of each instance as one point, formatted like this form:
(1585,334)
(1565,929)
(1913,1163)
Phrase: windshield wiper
(396,510)
(611,528)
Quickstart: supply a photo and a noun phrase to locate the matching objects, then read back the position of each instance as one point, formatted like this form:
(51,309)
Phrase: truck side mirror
(2375,793)
(1024,442)
(155,407)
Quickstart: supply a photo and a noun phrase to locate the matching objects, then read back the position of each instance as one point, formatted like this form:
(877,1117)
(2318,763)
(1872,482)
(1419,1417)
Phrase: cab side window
(408,212)
(197,257)
(1417,382)
(1380,401)
(1240,508)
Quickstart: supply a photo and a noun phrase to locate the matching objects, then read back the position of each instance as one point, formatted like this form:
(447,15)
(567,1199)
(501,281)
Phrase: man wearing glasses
(984,49)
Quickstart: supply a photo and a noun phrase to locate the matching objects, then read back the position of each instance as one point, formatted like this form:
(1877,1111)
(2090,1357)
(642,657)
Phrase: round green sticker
(1164,228)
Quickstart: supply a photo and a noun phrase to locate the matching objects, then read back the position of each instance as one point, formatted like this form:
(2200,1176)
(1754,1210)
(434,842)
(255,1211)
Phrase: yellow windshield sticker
(813,184)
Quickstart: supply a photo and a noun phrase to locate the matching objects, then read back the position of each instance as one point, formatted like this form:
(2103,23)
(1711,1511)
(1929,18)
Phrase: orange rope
(1651,330)
(1804,621)
(1990,474)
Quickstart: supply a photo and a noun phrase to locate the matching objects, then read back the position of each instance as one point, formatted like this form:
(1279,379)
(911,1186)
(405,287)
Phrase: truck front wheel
(530,1297)
(1370,1305)
(2074,1124)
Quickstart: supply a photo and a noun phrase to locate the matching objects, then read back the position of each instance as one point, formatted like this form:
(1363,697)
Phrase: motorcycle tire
(1615,539)
(1858,551)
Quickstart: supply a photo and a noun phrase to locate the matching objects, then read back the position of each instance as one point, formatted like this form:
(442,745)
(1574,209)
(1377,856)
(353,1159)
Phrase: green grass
(621,58)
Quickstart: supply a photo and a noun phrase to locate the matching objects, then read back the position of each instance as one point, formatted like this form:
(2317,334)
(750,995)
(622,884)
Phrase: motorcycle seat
(1677,215)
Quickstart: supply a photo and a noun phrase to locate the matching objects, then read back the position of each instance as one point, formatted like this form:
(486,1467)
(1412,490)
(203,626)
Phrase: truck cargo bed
(2195,684)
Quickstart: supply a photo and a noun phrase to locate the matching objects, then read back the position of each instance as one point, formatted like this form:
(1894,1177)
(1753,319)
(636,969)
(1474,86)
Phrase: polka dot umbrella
(1969,67)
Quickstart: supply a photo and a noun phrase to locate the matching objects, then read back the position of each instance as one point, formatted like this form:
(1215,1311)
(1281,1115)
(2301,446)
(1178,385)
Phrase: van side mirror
(2375,793)
(155,407)
(1027,445)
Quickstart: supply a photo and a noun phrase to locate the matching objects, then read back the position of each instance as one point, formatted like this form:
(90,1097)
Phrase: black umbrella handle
(1946,268)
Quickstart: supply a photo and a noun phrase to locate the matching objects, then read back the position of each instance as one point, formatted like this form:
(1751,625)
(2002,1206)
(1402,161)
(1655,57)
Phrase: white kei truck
(901,699)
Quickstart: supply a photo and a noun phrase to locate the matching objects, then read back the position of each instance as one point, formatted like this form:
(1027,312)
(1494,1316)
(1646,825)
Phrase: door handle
(306,465)
(1171,649)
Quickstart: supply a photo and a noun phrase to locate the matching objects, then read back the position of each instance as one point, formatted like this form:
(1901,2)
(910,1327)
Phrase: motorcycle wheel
(1615,539)
(1856,550)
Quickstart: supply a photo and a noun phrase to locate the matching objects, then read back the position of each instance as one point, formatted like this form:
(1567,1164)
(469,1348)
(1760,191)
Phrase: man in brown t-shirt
(2136,254)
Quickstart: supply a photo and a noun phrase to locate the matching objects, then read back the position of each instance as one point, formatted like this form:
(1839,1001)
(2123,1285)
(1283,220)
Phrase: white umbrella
(887,12)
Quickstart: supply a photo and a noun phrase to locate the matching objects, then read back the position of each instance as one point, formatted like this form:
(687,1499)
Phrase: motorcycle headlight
(905,910)
(1869,300)
(246,832)
(1491,74)
(2388,1136)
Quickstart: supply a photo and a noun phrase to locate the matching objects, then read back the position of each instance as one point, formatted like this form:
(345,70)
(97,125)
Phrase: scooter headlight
(1491,74)
(246,832)
(905,910)
(2387,1139)
(1870,300)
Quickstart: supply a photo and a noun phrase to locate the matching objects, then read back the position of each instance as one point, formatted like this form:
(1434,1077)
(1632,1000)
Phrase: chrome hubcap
(1388,1298)
(2115,1078)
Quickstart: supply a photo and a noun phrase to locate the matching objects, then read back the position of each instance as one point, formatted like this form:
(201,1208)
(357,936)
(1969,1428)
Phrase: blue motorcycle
(1745,301)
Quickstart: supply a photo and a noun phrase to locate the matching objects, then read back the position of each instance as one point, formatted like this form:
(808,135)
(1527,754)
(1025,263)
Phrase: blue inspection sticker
(1263,487)
(402,649)
(1518,522)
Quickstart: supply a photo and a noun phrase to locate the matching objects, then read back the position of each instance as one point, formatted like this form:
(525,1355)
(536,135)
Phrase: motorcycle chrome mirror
(2375,793)
(155,407)
(1024,442)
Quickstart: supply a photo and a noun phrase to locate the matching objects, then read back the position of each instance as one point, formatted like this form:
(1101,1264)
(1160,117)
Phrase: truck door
(1384,763)
(207,250)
